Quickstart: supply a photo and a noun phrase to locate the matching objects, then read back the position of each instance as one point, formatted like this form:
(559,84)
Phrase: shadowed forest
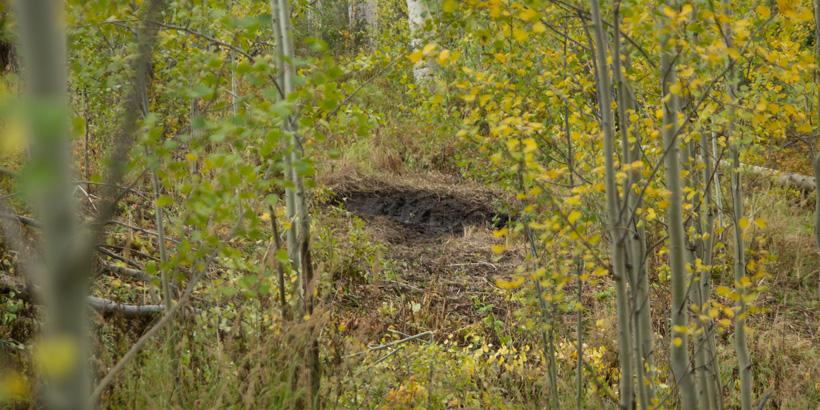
(410,204)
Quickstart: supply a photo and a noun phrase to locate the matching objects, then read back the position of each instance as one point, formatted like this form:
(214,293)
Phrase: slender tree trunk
(578,261)
(290,192)
(301,221)
(718,187)
(698,290)
(679,309)
(418,15)
(708,212)
(280,269)
(616,228)
(370,11)
(163,254)
(817,127)
(744,360)
(635,249)
(64,281)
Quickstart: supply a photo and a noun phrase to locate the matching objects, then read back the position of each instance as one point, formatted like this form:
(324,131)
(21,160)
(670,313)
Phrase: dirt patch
(425,211)
(438,272)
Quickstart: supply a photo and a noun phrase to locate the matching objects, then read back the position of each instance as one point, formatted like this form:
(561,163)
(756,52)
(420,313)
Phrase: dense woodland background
(409,204)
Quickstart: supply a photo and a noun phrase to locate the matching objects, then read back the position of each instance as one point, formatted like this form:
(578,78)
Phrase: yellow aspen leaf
(13,386)
(528,15)
(724,291)
(530,145)
(743,222)
(675,89)
(785,6)
(449,6)
(677,342)
(444,57)
(520,34)
(428,49)
(514,283)
(760,222)
(539,28)
(415,56)
(13,138)
(573,216)
(763,11)
(725,323)
(498,248)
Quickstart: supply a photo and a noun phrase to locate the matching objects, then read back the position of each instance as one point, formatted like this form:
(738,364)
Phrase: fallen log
(779,178)
(10,283)
(127,310)
(782,178)
(129,273)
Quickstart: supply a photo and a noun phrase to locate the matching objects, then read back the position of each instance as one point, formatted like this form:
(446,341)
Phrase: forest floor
(436,271)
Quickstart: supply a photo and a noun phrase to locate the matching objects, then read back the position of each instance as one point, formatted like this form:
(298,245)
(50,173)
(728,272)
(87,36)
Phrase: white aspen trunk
(301,222)
(679,353)
(615,224)
(635,244)
(744,360)
(708,216)
(354,16)
(418,15)
(370,12)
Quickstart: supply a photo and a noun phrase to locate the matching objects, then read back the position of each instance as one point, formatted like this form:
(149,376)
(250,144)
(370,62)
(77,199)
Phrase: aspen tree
(418,15)
(679,355)
(698,293)
(578,261)
(68,249)
(635,249)
(616,228)
(744,361)
(299,240)
(65,283)
(708,215)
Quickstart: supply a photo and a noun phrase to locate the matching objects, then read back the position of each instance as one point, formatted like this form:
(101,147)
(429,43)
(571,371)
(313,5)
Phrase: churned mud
(438,272)
(425,211)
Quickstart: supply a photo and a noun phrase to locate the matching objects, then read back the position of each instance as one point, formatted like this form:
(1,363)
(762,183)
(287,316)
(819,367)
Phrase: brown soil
(424,212)
(441,272)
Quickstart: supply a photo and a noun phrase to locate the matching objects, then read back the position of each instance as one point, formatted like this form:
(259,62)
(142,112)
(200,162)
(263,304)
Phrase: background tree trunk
(418,15)
(679,355)
(615,222)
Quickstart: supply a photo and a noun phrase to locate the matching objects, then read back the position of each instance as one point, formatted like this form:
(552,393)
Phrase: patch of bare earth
(438,272)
